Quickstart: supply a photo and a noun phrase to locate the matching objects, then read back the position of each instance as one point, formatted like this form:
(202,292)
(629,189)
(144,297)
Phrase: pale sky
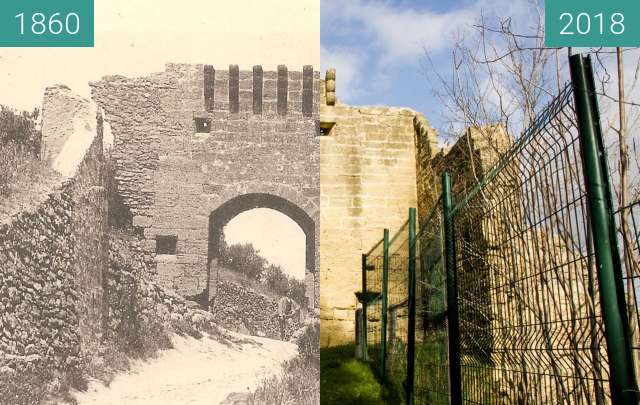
(137,37)
(278,238)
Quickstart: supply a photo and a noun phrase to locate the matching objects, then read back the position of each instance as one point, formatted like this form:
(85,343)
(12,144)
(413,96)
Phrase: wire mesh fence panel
(374,268)
(530,321)
(628,226)
(397,309)
(431,364)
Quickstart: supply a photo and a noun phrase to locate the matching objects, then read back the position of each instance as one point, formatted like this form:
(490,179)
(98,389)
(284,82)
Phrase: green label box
(592,23)
(46,23)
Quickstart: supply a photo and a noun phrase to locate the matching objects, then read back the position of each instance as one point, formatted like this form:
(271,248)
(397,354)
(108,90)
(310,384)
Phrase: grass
(299,382)
(346,380)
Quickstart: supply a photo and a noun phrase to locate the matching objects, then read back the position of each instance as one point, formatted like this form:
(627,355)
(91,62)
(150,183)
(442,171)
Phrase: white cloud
(401,34)
(390,35)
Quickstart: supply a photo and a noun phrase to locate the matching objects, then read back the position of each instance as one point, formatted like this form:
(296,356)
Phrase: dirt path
(193,372)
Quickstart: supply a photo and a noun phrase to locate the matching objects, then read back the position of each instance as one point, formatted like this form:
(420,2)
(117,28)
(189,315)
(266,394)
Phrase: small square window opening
(166,244)
(203,125)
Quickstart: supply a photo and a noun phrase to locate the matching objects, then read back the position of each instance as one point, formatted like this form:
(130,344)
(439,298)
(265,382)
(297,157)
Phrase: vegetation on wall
(19,150)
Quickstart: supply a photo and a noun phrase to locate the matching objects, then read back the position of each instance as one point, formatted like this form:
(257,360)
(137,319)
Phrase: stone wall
(368,183)
(53,254)
(241,309)
(193,138)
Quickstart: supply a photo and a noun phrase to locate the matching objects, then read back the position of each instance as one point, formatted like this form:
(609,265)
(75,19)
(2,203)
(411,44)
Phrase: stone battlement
(257,92)
(195,145)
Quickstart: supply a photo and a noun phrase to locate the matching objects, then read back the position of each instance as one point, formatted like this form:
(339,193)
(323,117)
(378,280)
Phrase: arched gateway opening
(222,215)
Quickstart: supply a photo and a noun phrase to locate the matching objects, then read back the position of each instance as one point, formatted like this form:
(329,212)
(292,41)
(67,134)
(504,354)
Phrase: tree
(19,149)
(243,258)
(20,129)
(275,278)
(501,75)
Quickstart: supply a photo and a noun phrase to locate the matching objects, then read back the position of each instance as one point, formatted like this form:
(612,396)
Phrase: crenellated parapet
(196,138)
(267,93)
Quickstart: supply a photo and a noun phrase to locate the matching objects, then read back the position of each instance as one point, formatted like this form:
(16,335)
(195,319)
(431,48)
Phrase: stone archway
(245,202)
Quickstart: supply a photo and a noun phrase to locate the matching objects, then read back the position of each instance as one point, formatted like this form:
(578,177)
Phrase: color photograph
(480,205)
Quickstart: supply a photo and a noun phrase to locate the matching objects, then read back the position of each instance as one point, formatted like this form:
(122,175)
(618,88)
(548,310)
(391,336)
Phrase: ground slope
(195,371)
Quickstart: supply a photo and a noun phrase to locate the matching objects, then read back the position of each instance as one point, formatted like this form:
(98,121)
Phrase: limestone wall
(257,135)
(53,254)
(368,183)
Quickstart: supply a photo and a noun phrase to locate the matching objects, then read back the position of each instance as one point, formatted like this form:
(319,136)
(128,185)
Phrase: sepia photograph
(159,208)
(480,202)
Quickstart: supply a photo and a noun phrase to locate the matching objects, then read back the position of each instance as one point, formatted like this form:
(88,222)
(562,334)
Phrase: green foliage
(346,380)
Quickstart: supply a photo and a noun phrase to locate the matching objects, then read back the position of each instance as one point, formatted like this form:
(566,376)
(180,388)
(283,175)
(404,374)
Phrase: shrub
(19,150)
(243,258)
(246,259)
(18,168)
(299,382)
(21,129)
(29,388)
(308,342)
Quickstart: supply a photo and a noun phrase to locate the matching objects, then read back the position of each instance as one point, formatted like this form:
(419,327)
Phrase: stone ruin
(195,146)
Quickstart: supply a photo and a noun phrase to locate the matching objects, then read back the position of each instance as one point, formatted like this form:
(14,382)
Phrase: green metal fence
(629,237)
(513,289)
(530,319)
(397,308)
(372,270)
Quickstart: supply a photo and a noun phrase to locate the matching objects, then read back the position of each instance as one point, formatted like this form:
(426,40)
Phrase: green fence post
(455,376)
(364,308)
(411,302)
(383,317)
(624,389)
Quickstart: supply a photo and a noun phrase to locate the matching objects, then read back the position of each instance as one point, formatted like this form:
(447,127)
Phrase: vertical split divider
(411,303)
(383,317)
(455,375)
(623,385)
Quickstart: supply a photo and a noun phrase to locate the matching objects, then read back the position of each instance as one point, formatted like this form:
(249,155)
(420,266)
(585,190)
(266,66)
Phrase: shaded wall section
(368,183)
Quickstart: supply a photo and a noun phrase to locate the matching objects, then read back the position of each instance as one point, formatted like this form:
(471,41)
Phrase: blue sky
(378,47)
